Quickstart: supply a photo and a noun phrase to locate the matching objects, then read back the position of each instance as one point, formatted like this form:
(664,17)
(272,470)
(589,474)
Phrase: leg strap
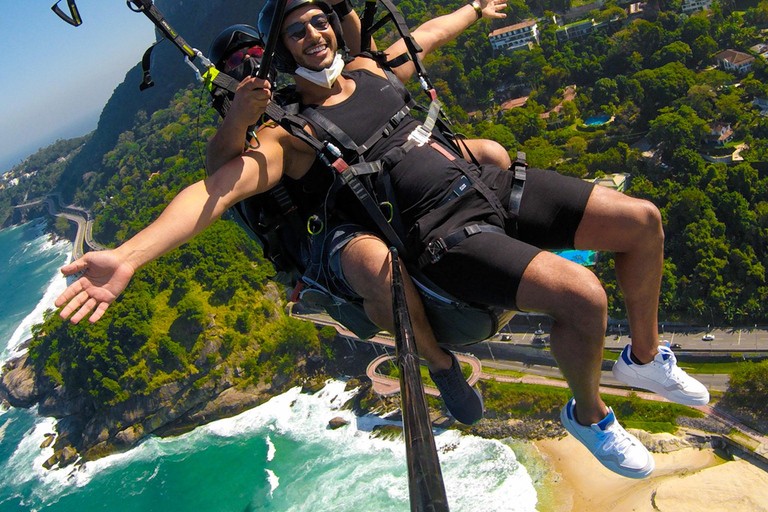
(516,195)
(438,247)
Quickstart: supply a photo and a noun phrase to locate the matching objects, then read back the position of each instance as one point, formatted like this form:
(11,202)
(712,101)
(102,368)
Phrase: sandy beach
(686,480)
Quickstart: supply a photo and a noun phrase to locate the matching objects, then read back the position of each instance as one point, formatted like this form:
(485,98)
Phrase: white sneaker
(614,447)
(662,376)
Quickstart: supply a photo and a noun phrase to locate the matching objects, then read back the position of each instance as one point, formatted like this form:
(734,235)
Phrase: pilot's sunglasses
(238,57)
(298,30)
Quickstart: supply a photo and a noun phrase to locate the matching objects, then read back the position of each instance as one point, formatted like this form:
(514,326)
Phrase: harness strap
(331,128)
(437,248)
(421,134)
(349,177)
(516,195)
(146,59)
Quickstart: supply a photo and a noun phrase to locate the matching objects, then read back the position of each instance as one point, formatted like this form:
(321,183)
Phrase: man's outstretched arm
(436,32)
(107,273)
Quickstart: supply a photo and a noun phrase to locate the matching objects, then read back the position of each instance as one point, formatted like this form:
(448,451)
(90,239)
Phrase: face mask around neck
(325,77)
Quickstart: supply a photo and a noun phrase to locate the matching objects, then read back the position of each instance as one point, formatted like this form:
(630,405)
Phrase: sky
(56,77)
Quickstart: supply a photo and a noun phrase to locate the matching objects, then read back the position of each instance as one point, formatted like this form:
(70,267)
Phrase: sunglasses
(298,30)
(238,57)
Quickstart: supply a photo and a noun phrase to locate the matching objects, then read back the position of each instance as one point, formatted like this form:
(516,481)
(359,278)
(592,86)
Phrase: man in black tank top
(504,266)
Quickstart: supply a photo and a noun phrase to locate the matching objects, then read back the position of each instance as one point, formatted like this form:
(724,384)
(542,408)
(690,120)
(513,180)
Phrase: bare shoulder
(365,63)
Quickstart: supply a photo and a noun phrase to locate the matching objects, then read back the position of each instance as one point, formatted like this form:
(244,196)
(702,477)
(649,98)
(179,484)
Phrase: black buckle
(435,249)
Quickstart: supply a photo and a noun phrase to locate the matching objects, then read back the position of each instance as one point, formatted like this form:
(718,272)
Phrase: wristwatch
(477,8)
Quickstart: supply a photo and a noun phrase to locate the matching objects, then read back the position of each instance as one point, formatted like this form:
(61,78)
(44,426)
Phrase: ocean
(280,456)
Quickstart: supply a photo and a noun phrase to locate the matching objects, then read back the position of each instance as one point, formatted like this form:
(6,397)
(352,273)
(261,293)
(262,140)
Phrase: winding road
(75,214)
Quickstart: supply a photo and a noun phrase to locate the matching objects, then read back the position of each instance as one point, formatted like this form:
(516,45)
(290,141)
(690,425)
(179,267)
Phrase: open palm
(105,277)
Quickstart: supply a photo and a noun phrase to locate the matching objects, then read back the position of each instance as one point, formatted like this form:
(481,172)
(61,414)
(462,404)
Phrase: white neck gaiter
(325,77)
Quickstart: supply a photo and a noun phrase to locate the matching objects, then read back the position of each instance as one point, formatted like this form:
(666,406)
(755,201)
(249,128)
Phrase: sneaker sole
(637,474)
(651,385)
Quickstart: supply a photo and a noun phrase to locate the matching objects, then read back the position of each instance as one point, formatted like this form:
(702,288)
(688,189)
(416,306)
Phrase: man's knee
(563,289)
(584,298)
(649,218)
(365,265)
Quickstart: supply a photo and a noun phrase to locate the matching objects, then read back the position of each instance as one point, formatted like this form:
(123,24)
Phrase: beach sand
(686,480)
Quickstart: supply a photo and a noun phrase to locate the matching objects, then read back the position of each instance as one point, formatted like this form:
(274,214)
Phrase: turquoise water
(280,456)
(585,258)
(597,120)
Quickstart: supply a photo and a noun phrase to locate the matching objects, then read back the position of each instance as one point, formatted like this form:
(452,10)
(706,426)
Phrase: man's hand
(250,102)
(105,277)
(493,8)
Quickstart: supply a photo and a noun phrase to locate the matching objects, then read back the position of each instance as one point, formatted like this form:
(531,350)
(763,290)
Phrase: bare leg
(486,152)
(573,297)
(632,229)
(367,267)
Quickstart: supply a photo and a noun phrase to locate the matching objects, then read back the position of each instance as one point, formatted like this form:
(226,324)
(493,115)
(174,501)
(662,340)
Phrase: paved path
(387,386)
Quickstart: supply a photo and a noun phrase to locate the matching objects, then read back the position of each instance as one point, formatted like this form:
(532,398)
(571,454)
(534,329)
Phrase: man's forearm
(190,212)
(438,31)
(351,26)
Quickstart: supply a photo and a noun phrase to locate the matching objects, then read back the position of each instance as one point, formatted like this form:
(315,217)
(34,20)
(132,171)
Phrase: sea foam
(55,287)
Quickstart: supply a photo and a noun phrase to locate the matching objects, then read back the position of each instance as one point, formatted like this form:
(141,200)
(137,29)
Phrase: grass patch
(505,373)
(654,427)
(723,368)
(743,440)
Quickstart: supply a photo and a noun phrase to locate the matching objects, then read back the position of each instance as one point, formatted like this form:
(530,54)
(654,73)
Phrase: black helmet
(283,59)
(230,40)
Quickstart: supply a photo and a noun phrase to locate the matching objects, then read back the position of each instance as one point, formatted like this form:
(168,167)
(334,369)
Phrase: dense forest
(209,309)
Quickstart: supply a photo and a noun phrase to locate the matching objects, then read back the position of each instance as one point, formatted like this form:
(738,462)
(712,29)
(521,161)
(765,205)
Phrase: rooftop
(511,28)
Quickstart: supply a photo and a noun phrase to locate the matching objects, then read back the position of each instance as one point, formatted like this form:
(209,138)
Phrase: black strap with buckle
(518,183)
(437,248)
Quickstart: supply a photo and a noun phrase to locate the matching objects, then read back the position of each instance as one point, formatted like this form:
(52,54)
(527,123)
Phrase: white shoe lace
(672,371)
(614,440)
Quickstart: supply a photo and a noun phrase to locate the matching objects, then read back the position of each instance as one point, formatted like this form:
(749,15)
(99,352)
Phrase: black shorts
(486,268)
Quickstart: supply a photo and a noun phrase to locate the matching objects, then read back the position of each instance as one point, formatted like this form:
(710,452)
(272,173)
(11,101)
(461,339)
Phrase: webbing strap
(74,18)
(368,15)
(350,177)
(437,248)
(413,47)
(518,183)
(146,79)
(151,12)
(331,128)
(214,77)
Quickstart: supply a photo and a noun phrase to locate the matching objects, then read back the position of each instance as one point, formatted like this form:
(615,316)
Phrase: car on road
(708,337)
(675,346)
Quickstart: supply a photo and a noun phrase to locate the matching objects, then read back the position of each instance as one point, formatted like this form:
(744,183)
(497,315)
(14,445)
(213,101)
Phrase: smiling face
(311,41)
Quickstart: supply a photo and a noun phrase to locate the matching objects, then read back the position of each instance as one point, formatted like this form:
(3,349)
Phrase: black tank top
(421,179)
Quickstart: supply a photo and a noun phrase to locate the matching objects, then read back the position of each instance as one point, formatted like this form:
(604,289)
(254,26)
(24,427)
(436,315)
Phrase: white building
(731,60)
(691,6)
(515,36)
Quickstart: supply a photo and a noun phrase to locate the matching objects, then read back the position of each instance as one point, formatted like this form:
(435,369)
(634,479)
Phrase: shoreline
(686,480)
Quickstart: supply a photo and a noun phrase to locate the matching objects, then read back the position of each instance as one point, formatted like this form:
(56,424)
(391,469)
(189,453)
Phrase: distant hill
(198,21)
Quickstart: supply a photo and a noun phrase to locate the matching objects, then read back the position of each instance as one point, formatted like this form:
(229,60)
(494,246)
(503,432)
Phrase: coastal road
(725,340)
(77,215)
